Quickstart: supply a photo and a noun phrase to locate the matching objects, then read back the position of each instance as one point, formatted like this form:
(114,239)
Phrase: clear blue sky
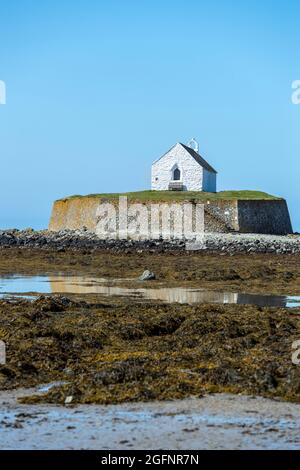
(96,90)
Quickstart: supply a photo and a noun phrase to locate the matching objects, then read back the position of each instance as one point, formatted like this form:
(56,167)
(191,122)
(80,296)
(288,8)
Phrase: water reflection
(165,294)
(91,285)
(181,295)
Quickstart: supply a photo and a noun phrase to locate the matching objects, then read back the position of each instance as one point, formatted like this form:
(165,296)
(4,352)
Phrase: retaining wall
(245,216)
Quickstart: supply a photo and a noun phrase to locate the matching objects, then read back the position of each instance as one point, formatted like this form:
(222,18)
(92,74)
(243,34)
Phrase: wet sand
(213,422)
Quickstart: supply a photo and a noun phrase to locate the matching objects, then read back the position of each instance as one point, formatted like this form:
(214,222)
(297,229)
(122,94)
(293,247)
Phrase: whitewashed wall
(193,176)
(191,171)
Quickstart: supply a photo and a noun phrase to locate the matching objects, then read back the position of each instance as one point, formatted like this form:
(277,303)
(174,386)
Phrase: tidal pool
(27,286)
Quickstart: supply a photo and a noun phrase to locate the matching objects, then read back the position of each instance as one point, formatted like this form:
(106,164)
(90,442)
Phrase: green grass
(142,196)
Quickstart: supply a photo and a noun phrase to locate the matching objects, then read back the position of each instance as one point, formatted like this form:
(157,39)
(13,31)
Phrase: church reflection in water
(83,285)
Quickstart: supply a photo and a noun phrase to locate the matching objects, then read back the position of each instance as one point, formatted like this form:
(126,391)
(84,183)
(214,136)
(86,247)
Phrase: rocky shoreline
(214,242)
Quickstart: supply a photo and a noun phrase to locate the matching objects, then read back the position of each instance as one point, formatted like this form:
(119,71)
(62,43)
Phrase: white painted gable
(179,167)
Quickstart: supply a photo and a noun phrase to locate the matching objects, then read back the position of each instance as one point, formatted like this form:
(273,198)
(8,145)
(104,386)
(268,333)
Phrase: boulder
(147,276)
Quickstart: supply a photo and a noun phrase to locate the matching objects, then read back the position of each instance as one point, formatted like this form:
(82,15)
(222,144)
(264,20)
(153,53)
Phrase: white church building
(183,169)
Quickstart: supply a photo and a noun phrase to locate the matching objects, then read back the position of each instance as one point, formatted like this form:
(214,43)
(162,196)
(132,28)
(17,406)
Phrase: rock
(147,276)
(225,243)
(68,400)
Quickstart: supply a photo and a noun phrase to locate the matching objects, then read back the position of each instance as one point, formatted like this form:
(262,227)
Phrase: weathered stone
(220,216)
(147,276)
(223,243)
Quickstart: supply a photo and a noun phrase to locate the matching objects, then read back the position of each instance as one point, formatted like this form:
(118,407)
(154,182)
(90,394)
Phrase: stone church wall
(191,171)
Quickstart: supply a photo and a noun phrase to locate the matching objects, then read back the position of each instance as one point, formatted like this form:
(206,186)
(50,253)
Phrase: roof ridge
(198,158)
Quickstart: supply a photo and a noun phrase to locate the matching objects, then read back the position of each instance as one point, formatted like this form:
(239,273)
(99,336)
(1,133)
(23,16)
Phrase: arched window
(176,174)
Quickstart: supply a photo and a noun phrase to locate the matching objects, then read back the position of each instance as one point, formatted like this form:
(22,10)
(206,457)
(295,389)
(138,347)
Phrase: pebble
(68,400)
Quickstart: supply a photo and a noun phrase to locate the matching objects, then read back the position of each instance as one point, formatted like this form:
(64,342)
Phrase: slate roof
(193,154)
(198,158)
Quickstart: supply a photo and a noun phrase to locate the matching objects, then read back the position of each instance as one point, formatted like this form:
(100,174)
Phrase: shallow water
(25,285)
(212,422)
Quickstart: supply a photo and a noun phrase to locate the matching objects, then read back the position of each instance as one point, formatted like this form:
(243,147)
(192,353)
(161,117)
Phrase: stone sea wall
(265,216)
(74,213)
(222,216)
